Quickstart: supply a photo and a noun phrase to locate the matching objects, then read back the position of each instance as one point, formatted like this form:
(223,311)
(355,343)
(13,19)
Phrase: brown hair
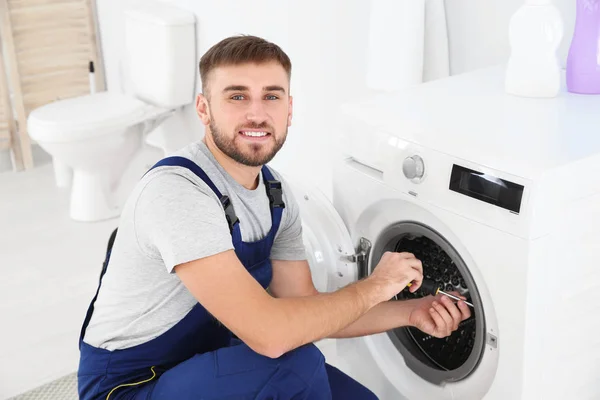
(242,49)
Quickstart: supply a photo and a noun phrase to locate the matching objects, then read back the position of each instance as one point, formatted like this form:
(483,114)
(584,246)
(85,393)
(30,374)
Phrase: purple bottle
(583,62)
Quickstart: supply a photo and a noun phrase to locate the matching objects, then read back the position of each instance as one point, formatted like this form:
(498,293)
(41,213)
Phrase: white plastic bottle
(535,32)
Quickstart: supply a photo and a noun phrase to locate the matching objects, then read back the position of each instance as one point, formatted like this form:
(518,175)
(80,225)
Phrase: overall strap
(275,195)
(90,311)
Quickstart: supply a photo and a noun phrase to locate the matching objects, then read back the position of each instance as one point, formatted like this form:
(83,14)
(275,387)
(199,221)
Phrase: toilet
(100,143)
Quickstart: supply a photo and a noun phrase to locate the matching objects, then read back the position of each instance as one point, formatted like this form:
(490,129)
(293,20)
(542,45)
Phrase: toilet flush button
(413,168)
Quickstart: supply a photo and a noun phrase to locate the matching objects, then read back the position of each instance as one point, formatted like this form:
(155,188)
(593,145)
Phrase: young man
(182,311)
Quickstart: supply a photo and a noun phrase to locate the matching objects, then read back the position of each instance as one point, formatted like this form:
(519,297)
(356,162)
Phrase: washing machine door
(329,249)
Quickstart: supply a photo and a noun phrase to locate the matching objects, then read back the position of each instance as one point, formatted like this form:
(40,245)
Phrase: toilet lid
(86,116)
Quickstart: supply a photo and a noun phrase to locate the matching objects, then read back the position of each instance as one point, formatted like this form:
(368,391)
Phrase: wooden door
(8,132)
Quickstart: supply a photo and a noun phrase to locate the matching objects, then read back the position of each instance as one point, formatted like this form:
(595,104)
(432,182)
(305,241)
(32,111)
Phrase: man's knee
(308,354)
(306,361)
(345,387)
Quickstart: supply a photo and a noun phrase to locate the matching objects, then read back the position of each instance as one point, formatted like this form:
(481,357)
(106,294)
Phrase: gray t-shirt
(173,217)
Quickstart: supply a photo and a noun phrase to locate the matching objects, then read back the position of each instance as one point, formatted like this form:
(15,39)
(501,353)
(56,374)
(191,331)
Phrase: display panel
(487,188)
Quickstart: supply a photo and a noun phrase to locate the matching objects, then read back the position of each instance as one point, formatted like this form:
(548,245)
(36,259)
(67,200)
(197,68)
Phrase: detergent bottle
(583,61)
(535,32)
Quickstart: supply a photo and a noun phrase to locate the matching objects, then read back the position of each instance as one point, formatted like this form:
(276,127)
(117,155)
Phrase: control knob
(413,167)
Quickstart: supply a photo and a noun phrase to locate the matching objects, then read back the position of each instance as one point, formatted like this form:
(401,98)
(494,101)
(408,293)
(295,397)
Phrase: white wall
(326,41)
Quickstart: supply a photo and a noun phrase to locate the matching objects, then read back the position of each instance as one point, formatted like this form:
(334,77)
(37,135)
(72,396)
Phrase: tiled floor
(64,388)
(49,267)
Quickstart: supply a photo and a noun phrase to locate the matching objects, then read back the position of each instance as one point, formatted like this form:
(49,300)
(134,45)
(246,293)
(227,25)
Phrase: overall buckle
(232,219)
(275,194)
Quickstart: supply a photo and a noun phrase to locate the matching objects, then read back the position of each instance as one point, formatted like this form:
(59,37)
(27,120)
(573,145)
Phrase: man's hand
(438,316)
(395,271)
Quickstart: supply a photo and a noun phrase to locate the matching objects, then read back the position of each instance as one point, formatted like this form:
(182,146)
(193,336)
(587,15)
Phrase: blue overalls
(198,358)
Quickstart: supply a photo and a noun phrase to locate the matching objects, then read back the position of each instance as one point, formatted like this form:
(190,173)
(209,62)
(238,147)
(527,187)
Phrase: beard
(253,155)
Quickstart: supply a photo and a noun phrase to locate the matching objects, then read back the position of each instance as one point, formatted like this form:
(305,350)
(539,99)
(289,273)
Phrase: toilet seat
(87,116)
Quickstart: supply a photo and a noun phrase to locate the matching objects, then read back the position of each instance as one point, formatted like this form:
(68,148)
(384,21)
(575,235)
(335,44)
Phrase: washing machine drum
(437,360)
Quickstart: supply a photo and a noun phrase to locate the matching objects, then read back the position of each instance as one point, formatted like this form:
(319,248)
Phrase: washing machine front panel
(497,261)
(372,212)
(329,249)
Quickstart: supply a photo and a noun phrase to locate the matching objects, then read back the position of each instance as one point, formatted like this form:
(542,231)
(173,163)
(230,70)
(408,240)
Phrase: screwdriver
(431,288)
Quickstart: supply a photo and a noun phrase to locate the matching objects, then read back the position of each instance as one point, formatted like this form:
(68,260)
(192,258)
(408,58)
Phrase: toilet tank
(161,54)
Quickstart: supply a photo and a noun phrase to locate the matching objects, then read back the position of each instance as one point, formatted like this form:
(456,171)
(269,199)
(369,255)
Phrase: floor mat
(64,388)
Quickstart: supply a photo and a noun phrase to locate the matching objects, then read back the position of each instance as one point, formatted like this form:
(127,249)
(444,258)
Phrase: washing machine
(499,197)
